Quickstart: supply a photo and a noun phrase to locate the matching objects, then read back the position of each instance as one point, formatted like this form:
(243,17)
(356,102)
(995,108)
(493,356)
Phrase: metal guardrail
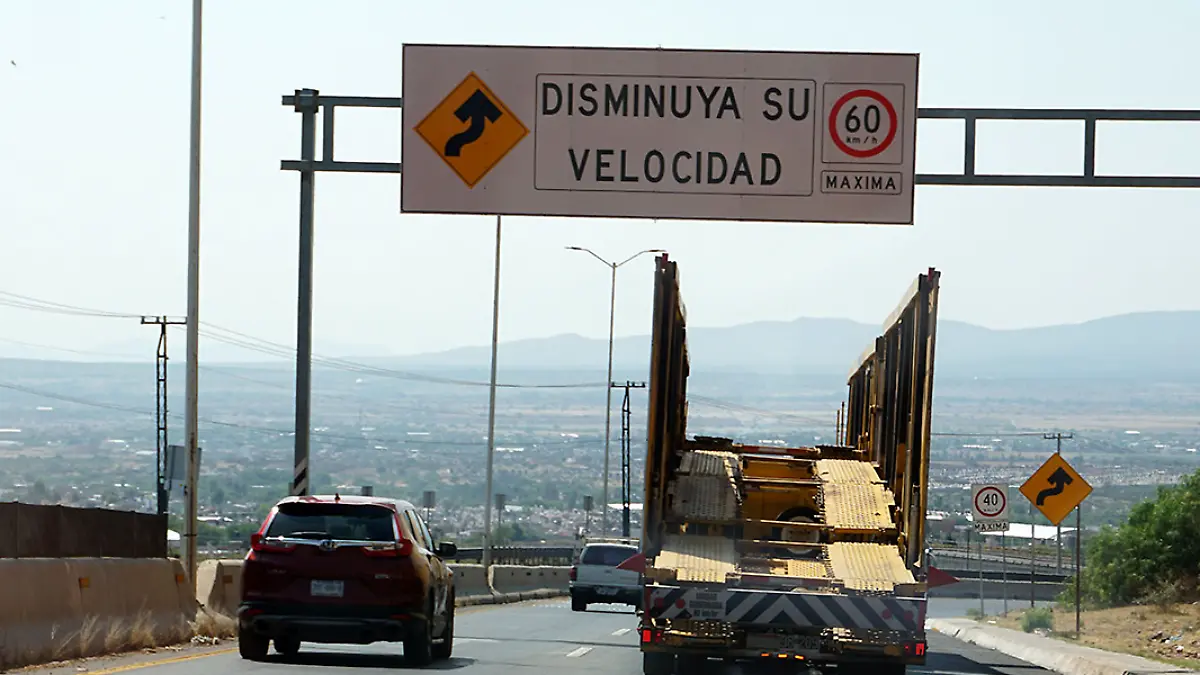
(1015,558)
(520,555)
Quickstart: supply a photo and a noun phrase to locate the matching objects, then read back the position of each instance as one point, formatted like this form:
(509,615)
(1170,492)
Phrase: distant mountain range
(1149,343)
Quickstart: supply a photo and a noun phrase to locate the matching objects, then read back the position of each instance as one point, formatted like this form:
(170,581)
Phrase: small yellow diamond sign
(471,130)
(1056,488)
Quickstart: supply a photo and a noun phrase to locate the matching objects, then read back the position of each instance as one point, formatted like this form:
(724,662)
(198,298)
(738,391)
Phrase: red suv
(347,570)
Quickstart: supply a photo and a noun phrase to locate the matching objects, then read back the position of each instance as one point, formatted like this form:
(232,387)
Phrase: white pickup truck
(596,579)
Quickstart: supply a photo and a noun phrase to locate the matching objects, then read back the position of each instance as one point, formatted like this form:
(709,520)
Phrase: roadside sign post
(1078,565)
(1056,489)
(1004,570)
(989,513)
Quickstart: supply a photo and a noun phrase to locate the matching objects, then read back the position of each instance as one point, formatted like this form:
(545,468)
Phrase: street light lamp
(612,308)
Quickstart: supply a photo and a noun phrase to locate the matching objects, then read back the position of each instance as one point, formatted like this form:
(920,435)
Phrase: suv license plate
(778,642)
(328,589)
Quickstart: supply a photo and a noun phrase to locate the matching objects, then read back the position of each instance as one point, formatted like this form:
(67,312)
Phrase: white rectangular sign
(655,133)
(989,507)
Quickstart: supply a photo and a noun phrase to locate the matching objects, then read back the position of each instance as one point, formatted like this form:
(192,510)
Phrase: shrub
(1037,617)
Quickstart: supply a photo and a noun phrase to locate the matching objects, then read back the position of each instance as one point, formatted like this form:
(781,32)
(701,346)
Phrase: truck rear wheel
(658,663)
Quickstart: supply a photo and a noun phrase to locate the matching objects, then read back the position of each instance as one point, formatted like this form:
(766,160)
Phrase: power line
(980,434)
(236,425)
(737,407)
(246,341)
(223,372)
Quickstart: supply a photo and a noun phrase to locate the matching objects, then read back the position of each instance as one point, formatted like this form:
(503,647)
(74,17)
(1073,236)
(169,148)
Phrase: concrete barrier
(471,581)
(53,609)
(219,585)
(1015,589)
(519,579)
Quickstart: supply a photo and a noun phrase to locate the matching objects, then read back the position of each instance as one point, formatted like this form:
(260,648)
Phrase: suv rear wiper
(306,535)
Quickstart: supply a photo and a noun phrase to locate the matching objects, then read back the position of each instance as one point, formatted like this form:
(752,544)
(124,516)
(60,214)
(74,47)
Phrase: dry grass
(1170,633)
(96,637)
(213,625)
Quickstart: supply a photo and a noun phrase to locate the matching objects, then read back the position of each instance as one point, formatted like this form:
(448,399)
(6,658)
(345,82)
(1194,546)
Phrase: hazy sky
(93,172)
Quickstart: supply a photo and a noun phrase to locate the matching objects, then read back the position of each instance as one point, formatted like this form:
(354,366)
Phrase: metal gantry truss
(1087,178)
(310,104)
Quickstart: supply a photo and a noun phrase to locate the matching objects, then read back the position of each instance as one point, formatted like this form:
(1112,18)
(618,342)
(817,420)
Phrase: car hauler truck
(811,556)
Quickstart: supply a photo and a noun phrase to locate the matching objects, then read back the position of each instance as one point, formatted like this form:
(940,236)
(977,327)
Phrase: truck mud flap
(780,609)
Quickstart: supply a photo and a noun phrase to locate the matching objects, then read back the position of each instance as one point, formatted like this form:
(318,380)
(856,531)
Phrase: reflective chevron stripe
(773,608)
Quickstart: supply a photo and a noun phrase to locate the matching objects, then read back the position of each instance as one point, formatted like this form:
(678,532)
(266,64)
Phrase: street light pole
(612,316)
(192,385)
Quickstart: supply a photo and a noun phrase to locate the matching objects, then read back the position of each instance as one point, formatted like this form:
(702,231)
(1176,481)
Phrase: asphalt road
(541,637)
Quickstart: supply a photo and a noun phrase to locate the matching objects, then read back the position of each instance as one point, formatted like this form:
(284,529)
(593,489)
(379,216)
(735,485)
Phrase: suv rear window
(357,522)
(607,555)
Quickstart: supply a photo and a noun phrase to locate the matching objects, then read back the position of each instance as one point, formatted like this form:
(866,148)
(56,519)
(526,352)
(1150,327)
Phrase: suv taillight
(400,549)
(571,575)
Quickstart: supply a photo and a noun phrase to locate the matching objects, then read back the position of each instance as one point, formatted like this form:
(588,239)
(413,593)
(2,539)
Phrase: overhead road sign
(989,507)
(1056,488)
(655,133)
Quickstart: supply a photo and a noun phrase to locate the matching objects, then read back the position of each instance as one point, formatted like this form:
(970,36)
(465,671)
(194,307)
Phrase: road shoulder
(1049,653)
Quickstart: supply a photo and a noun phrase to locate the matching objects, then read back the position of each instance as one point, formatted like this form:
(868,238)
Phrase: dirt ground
(1170,634)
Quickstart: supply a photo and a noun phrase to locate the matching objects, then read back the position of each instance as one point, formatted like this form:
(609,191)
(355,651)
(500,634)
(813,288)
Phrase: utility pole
(160,405)
(626,443)
(612,316)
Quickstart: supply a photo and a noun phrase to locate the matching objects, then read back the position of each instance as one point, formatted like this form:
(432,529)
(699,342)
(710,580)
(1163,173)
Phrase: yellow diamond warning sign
(1056,488)
(471,130)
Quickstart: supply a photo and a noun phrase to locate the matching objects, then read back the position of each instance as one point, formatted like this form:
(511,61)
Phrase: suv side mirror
(447,550)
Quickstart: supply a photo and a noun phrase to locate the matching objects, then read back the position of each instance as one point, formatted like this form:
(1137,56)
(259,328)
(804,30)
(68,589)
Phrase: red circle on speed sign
(835,129)
(993,509)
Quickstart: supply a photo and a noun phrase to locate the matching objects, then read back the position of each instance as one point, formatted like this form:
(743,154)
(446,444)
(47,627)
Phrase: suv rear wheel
(418,641)
(251,645)
(445,648)
(578,604)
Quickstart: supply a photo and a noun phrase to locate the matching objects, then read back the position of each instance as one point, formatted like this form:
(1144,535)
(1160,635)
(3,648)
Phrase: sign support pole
(307,104)
(491,450)
(1032,558)
(1078,566)
(981,610)
(1004,569)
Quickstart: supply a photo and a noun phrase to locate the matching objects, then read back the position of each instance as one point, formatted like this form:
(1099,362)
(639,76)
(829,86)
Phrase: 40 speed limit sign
(989,507)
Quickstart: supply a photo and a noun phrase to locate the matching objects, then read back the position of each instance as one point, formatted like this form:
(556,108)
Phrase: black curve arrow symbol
(1059,480)
(479,110)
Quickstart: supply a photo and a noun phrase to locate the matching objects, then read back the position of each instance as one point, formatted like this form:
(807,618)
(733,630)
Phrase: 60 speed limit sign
(989,506)
(864,124)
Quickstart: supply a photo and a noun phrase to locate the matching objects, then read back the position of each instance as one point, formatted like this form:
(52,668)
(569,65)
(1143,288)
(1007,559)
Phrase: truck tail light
(573,573)
(652,635)
(914,649)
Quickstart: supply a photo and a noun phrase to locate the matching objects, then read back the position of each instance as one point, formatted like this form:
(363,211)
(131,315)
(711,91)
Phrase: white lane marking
(464,640)
(579,652)
(621,631)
